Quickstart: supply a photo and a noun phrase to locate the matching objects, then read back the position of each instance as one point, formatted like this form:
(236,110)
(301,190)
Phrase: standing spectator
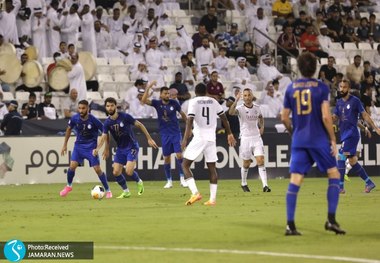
(76,78)
(46,110)
(88,31)
(23,21)
(12,122)
(70,104)
(210,20)
(363,30)
(70,25)
(53,27)
(183,93)
(99,16)
(215,89)
(288,41)
(355,72)
(8,22)
(103,39)
(261,23)
(29,109)
(39,33)
(115,24)
(281,8)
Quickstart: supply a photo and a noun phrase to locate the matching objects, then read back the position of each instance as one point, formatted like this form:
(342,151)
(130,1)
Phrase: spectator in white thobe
(324,40)
(155,58)
(23,20)
(274,103)
(204,54)
(115,25)
(8,26)
(266,73)
(77,79)
(53,27)
(124,43)
(70,25)
(88,31)
(240,75)
(103,39)
(123,7)
(261,23)
(135,57)
(132,19)
(183,43)
(39,33)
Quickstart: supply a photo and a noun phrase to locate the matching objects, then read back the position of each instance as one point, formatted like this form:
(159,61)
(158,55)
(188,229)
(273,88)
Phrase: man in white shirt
(204,54)
(8,26)
(251,128)
(203,113)
(187,73)
(274,103)
(53,27)
(151,20)
(240,75)
(135,58)
(260,22)
(324,40)
(88,31)
(77,79)
(155,58)
(115,25)
(123,7)
(39,33)
(70,104)
(125,41)
(70,25)
(183,42)
(132,19)
(103,39)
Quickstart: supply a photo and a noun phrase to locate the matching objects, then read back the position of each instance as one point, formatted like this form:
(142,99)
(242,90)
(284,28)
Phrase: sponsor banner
(16,250)
(30,160)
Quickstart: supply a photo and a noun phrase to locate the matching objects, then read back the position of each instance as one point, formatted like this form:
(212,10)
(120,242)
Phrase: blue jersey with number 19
(304,98)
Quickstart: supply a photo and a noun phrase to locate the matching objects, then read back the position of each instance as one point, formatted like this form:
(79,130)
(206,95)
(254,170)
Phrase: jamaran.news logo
(14,250)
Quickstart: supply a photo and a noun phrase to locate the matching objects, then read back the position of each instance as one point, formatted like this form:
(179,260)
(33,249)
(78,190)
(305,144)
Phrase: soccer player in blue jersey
(347,110)
(170,133)
(120,124)
(313,139)
(87,128)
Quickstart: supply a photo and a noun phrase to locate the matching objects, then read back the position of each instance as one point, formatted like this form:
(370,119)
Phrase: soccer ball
(98,192)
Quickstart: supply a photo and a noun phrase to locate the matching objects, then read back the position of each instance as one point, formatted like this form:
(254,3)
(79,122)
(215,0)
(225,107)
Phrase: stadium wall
(38,160)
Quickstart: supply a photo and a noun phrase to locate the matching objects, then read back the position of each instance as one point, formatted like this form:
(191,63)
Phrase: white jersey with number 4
(248,119)
(205,111)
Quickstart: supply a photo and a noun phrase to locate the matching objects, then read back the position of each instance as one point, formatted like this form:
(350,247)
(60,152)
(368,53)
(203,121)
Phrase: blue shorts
(82,152)
(171,144)
(349,146)
(124,155)
(303,158)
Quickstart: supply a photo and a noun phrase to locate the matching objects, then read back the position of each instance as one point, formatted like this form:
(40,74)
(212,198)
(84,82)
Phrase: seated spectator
(183,93)
(198,37)
(210,20)
(376,60)
(132,92)
(363,30)
(232,38)
(12,122)
(29,109)
(355,72)
(274,103)
(173,93)
(204,54)
(3,107)
(324,40)
(140,73)
(220,63)
(70,104)
(288,41)
(46,110)
(135,58)
(349,34)
(374,29)
(300,6)
(335,7)
(204,74)
(318,22)
(186,71)
(23,87)
(290,20)
(281,8)
(103,39)
(215,89)
(139,111)
(335,25)
(322,9)
(240,75)
(327,71)
(183,42)
(310,42)
(250,56)
(300,24)
(366,97)
(334,88)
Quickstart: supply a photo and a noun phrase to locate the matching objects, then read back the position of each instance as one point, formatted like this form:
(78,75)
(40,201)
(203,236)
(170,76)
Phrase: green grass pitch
(240,221)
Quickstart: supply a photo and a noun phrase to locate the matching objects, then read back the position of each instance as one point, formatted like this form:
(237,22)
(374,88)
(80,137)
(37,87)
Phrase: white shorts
(251,146)
(196,147)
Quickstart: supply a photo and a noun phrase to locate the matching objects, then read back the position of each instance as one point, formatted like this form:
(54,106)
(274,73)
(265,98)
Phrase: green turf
(242,221)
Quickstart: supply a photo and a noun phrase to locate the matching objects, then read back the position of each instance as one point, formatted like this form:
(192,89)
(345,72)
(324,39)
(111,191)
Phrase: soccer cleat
(209,203)
(334,227)
(140,187)
(193,199)
(65,191)
(245,188)
(369,187)
(266,189)
(342,191)
(346,178)
(168,185)
(291,232)
(124,195)
(108,195)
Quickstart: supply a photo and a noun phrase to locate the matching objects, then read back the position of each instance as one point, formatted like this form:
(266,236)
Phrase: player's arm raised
(369,120)
(232,110)
(328,123)
(187,134)
(144,99)
(67,137)
(230,137)
(285,119)
(151,142)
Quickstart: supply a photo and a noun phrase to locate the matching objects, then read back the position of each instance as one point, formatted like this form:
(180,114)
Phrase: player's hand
(95,152)
(367,133)
(334,150)
(152,143)
(238,96)
(64,150)
(231,140)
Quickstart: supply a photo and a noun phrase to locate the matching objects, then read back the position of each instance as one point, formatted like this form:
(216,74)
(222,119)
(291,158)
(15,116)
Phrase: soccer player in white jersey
(251,129)
(203,112)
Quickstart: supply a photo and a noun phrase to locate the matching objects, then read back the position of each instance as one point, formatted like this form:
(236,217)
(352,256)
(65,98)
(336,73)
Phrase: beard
(111,113)
(342,94)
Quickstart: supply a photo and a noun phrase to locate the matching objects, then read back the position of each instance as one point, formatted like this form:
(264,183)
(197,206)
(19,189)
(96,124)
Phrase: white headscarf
(189,41)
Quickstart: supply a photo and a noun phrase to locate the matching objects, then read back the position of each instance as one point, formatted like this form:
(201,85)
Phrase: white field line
(240,252)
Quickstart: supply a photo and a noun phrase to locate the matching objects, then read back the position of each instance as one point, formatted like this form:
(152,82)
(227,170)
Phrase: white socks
(348,167)
(244,174)
(213,189)
(192,186)
(263,175)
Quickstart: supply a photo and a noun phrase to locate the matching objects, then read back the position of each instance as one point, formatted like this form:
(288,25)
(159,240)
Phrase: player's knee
(260,161)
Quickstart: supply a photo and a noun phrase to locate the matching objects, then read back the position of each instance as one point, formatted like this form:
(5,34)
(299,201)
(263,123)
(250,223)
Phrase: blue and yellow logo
(14,250)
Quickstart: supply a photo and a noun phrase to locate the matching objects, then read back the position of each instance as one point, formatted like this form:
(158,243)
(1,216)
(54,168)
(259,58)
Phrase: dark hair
(163,89)
(200,89)
(178,73)
(367,62)
(83,102)
(70,45)
(110,100)
(62,42)
(339,74)
(307,64)
(74,6)
(275,81)
(184,57)
(56,54)
(357,56)
(32,95)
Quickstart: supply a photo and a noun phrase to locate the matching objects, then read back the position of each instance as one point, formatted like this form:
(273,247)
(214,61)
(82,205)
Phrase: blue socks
(291,200)
(121,181)
(342,169)
(333,195)
(358,169)
(167,171)
(103,179)
(179,164)
(135,177)
(70,176)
